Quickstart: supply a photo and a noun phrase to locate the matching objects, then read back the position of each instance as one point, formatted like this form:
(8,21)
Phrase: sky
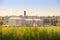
(32,7)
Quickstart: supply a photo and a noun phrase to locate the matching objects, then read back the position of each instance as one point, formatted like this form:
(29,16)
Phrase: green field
(29,33)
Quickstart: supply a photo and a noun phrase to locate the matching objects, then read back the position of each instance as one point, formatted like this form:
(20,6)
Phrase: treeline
(49,20)
(53,22)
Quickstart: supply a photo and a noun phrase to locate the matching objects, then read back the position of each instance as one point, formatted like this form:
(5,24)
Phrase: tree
(54,22)
(1,23)
(46,21)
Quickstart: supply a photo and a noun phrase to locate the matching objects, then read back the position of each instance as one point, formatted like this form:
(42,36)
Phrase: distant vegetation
(30,33)
(49,20)
(1,23)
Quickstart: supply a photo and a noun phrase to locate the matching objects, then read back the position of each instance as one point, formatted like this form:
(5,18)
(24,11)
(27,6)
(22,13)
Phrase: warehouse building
(25,20)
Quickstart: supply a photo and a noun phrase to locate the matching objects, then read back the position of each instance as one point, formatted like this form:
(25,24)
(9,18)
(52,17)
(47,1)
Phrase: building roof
(15,17)
(29,16)
(26,17)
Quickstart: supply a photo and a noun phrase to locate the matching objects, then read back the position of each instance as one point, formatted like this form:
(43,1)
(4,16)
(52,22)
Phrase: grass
(29,33)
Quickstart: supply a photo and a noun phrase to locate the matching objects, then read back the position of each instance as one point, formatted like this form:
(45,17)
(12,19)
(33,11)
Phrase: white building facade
(15,21)
(21,21)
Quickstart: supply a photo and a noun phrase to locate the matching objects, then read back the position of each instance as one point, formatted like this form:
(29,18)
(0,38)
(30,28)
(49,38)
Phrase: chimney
(24,13)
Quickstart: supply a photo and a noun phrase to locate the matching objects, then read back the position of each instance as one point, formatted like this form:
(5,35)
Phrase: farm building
(24,21)
(15,21)
(29,20)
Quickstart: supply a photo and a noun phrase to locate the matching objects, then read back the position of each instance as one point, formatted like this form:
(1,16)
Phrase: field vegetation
(30,33)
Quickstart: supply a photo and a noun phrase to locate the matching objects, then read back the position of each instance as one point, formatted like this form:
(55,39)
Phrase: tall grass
(30,33)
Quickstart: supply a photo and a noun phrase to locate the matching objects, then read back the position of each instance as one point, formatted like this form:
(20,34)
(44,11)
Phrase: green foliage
(1,23)
(54,22)
(46,21)
(30,33)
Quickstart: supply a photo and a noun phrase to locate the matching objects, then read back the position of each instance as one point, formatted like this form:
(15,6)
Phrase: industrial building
(25,20)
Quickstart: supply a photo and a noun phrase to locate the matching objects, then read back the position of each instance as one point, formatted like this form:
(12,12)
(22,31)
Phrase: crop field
(29,33)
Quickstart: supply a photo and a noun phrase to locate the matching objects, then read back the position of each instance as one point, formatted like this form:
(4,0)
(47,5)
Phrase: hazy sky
(33,7)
